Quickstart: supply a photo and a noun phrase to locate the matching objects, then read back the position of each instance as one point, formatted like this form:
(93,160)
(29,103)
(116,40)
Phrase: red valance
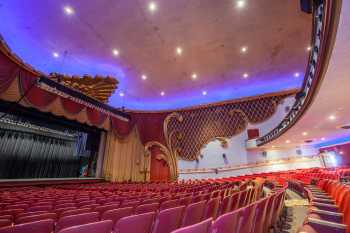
(34,95)
(95,117)
(71,106)
(8,72)
(120,127)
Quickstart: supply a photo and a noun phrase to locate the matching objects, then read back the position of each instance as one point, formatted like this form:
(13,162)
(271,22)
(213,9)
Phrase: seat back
(117,214)
(226,222)
(153,207)
(5,222)
(212,208)
(169,204)
(141,223)
(246,219)
(260,215)
(201,227)
(226,205)
(34,218)
(74,212)
(193,213)
(185,201)
(101,209)
(74,220)
(168,220)
(100,227)
(235,199)
(42,226)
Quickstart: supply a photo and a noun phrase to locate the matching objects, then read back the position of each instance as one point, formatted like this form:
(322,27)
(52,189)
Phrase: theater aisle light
(68,10)
(240,4)
(178,51)
(115,52)
(152,7)
(162,93)
(144,77)
(204,92)
(244,49)
(55,54)
(194,76)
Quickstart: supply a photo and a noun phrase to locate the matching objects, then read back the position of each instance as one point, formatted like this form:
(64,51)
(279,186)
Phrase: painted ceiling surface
(210,33)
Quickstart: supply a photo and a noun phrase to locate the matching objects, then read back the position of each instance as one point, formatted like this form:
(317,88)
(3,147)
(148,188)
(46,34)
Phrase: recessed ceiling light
(305,133)
(162,93)
(144,77)
(152,6)
(116,52)
(245,75)
(121,94)
(273,146)
(204,92)
(341,152)
(244,49)
(240,3)
(296,74)
(178,50)
(323,139)
(55,54)
(68,10)
(194,76)
(332,117)
(308,48)
(287,141)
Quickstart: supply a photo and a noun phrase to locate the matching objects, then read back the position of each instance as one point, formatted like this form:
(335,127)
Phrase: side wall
(237,155)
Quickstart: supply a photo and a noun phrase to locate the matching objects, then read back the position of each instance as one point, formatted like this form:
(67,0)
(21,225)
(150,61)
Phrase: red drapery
(121,128)
(71,106)
(95,117)
(34,95)
(8,72)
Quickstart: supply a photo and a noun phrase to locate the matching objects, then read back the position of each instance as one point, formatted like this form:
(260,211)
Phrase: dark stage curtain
(25,155)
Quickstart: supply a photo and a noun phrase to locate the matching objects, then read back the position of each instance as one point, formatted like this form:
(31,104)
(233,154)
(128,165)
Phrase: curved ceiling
(81,39)
(321,124)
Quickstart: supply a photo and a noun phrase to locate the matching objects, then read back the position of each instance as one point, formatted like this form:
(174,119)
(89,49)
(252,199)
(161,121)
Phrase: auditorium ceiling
(165,54)
(327,121)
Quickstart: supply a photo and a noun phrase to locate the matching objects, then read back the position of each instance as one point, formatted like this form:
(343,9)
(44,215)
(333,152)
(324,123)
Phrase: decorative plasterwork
(98,87)
(186,132)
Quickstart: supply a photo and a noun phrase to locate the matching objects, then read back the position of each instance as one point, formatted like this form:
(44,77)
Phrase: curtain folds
(24,155)
(125,159)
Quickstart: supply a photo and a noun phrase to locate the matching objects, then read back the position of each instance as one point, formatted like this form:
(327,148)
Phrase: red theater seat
(168,220)
(43,226)
(74,220)
(212,208)
(95,227)
(193,213)
(146,208)
(141,223)
(117,214)
(202,227)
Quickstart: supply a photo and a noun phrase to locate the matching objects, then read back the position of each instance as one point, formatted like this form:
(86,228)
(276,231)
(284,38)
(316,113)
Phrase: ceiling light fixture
(296,74)
(308,48)
(194,76)
(178,50)
(323,139)
(68,10)
(204,92)
(116,52)
(162,93)
(305,133)
(144,77)
(244,49)
(287,141)
(152,6)
(331,117)
(245,75)
(240,3)
(121,94)
(55,54)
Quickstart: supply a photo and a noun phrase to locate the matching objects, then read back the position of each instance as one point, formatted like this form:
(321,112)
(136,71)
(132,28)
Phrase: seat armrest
(317,211)
(327,223)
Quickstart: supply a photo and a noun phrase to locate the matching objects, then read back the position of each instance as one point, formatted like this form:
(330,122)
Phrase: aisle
(298,206)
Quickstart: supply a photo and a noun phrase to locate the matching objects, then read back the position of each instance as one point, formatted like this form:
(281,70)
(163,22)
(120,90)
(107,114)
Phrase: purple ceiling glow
(81,39)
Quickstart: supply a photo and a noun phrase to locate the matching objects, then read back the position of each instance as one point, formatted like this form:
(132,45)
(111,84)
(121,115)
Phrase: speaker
(306,6)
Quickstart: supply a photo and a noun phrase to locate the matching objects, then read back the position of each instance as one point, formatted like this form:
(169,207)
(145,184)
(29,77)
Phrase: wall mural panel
(188,131)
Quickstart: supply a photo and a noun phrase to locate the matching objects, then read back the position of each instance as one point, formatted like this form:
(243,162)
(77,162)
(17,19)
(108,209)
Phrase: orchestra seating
(231,204)
(136,207)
